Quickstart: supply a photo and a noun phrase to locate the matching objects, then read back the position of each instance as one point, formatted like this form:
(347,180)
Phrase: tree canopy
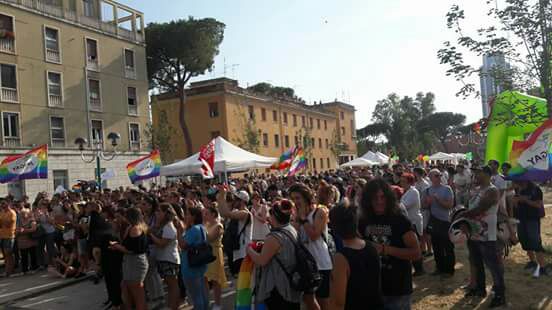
(442,125)
(274,91)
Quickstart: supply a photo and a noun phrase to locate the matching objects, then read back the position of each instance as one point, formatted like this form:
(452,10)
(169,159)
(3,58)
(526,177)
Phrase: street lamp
(98,152)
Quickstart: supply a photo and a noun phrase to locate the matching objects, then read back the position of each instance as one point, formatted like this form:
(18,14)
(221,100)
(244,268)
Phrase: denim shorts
(529,235)
(7,244)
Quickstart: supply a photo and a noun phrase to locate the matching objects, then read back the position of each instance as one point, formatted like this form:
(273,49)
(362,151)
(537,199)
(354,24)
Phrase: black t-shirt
(396,274)
(364,285)
(100,232)
(524,211)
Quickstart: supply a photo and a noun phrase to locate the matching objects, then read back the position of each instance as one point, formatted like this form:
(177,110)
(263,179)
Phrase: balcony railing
(135,146)
(132,109)
(7,45)
(9,94)
(130,73)
(95,104)
(58,143)
(92,64)
(56,101)
(12,141)
(44,6)
(53,55)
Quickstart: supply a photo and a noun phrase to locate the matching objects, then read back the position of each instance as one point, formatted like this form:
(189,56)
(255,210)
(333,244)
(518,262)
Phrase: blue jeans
(195,287)
(486,253)
(397,302)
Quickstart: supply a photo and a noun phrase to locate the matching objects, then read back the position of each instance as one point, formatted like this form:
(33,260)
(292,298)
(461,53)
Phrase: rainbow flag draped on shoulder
(531,159)
(30,165)
(145,168)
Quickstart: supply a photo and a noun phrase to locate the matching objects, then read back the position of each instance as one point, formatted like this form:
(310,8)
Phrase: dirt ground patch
(522,291)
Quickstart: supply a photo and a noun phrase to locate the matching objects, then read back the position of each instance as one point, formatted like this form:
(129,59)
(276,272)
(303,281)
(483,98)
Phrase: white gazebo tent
(383,158)
(359,162)
(228,158)
(442,157)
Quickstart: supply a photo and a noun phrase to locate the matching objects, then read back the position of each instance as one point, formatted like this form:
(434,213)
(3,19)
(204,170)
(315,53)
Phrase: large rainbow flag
(299,162)
(145,168)
(285,159)
(30,165)
(531,159)
(244,289)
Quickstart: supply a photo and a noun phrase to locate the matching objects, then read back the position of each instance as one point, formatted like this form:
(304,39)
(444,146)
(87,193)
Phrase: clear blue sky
(353,50)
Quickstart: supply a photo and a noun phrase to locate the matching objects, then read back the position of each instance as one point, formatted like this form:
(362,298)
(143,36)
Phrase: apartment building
(68,69)
(220,107)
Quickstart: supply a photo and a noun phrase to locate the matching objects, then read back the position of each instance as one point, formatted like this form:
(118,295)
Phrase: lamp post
(98,152)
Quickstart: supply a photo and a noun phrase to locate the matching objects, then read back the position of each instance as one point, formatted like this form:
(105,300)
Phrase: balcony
(134,146)
(132,110)
(130,73)
(53,56)
(7,45)
(9,94)
(12,141)
(95,104)
(110,27)
(92,64)
(56,101)
(58,143)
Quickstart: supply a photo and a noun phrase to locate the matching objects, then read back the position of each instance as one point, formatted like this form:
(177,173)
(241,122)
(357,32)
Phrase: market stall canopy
(384,158)
(359,162)
(375,158)
(228,158)
(442,156)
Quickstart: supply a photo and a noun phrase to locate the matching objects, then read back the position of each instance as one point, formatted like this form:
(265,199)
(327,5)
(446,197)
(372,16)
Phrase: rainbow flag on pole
(285,159)
(145,168)
(299,162)
(30,165)
(531,159)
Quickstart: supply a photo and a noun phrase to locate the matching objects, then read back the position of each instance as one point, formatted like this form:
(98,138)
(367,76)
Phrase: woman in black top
(135,262)
(391,233)
(356,280)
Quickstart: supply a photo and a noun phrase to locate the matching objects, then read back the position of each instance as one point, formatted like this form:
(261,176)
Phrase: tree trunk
(182,121)
(546,71)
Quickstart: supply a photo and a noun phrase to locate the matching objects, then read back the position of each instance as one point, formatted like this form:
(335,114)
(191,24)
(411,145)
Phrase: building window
(342,131)
(130,68)
(54,89)
(97,131)
(51,43)
(134,136)
(318,123)
(294,120)
(311,123)
(314,163)
(286,141)
(89,8)
(8,82)
(10,124)
(61,178)
(319,142)
(296,140)
(321,163)
(325,125)
(57,131)
(312,143)
(275,115)
(263,114)
(276,140)
(213,109)
(215,134)
(305,141)
(327,144)
(328,163)
(265,139)
(132,101)
(7,41)
(92,59)
(342,115)
(251,112)
(94,95)
(303,121)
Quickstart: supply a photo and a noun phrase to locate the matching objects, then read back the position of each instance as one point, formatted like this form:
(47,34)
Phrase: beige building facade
(220,107)
(68,69)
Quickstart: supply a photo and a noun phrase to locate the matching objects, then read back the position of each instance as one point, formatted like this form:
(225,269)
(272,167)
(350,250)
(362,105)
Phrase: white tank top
(318,248)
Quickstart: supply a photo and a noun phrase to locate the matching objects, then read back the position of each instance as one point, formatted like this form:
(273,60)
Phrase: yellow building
(71,68)
(220,107)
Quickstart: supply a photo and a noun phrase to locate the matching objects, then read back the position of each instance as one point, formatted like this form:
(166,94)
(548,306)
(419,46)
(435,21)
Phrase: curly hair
(369,193)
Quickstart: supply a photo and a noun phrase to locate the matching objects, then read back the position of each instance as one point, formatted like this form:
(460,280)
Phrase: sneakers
(497,301)
(539,271)
(530,265)
(481,293)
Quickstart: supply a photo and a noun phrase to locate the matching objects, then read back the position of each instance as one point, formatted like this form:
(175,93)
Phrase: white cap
(242,195)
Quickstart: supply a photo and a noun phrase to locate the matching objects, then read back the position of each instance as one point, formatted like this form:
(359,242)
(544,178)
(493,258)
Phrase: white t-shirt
(245,239)
(462,181)
(485,226)
(411,201)
(444,177)
(169,253)
(260,228)
(499,182)
(318,248)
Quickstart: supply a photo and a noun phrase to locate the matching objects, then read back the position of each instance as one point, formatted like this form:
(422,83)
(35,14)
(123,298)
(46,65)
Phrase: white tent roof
(442,156)
(376,158)
(228,158)
(359,162)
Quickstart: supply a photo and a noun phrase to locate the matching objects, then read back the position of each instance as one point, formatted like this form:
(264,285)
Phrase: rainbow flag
(30,165)
(285,159)
(145,168)
(244,287)
(299,162)
(531,159)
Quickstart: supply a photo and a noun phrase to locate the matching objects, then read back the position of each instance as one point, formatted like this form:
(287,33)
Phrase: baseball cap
(485,169)
(242,195)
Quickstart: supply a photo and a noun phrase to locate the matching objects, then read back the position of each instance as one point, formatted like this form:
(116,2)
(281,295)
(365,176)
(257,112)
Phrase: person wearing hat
(439,199)
(482,246)
(237,211)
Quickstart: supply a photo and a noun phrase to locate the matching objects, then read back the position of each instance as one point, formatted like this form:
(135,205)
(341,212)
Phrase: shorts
(7,244)
(529,235)
(323,290)
(167,269)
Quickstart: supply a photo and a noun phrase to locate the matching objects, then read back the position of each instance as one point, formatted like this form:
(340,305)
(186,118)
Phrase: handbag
(200,254)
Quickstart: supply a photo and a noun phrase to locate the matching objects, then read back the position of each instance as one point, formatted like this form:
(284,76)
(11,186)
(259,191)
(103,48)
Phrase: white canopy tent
(383,158)
(228,158)
(442,156)
(359,162)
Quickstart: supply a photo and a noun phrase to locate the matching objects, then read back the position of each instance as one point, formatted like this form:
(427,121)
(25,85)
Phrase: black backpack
(231,237)
(304,276)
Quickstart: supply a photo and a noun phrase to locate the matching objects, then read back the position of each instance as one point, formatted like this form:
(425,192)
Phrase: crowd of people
(336,240)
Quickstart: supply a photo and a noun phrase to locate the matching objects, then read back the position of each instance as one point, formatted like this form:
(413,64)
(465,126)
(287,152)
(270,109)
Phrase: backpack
(304,276)
(231,237)
(328,238)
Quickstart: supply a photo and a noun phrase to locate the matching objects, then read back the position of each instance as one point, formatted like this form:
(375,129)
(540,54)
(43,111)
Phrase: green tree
(442,125)
(274,91)
(159,137)
(521,32)
(176,52)
(249,137)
